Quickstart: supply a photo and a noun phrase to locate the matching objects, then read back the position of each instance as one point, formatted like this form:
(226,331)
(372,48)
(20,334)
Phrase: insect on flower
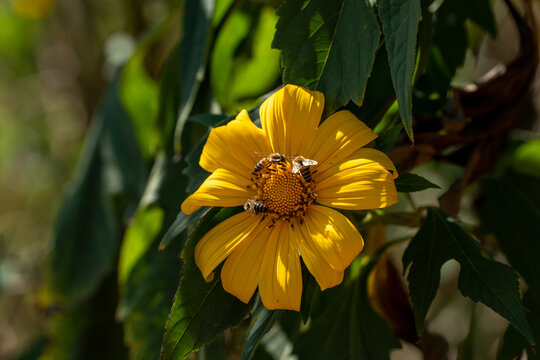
(254,207)
(266,161)
(301,165)
(288,207)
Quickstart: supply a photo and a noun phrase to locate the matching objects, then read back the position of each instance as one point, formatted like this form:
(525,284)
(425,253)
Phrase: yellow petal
(280,279)
(240,274)
(219,242)
(371,157)
(357,184)
(333,236)
(236,146)
(337,138)
(221,188)
(290,118)
(320,269)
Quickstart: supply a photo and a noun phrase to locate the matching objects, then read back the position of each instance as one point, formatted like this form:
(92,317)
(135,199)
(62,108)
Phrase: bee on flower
(288,197)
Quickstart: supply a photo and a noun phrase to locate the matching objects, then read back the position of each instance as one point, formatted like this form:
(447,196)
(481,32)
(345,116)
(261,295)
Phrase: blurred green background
(56,57)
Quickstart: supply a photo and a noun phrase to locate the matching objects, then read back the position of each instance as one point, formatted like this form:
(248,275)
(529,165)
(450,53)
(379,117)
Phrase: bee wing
(309,162)
(296,167)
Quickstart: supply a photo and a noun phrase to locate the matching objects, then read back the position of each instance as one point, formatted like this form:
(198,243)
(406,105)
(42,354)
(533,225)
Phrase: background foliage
(93,270)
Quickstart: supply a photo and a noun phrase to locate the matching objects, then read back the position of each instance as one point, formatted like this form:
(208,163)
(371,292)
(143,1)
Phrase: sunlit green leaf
(243,65)
(400,20)
(494,284)
(138,238)
(200,310)
(526,158)
(328,46)
(410,182)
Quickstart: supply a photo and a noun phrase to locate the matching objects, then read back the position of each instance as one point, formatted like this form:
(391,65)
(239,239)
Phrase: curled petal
(280,278)
(333,236)
(221,188)
(290,118)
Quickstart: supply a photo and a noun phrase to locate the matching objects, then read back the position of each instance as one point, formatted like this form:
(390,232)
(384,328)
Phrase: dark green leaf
(328,46)
(480,12)
(193,56)
(448,47)
(180,225)
(513,343)
(86,233)
(379,92)
(410,182)
(512,213)
(148,276)
(400,20)
(89,330)
(348,328)
(200,310)
(210,120)
(147,296)
(193,170)
(494,284)
(261,323)
(309,284)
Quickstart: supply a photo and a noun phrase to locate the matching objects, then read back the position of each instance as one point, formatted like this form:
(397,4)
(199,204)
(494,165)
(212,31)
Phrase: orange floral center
(281,189)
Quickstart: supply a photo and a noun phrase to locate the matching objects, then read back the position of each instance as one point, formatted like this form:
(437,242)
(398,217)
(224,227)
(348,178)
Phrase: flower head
(287,176)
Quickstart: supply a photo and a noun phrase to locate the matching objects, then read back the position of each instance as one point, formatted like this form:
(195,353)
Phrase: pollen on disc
(285,194)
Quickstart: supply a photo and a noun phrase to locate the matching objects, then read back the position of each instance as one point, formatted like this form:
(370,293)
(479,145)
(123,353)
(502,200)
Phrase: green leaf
(494,284)
(379,95)
(400,20)
(139,236)
(261,323)
(193,57)
(512,342)
(480,12)
(512,213)
(328,46)
(348,328)
(195,173)
(146,299)
(526,158)
(181,224)
(243,65)
(88,330)
(410,182)
(200,310)
(139,92)
(86,234)
(447,51)
(149,277)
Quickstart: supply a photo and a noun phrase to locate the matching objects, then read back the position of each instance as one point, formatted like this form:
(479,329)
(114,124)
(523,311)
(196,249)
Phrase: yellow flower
(287,200)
